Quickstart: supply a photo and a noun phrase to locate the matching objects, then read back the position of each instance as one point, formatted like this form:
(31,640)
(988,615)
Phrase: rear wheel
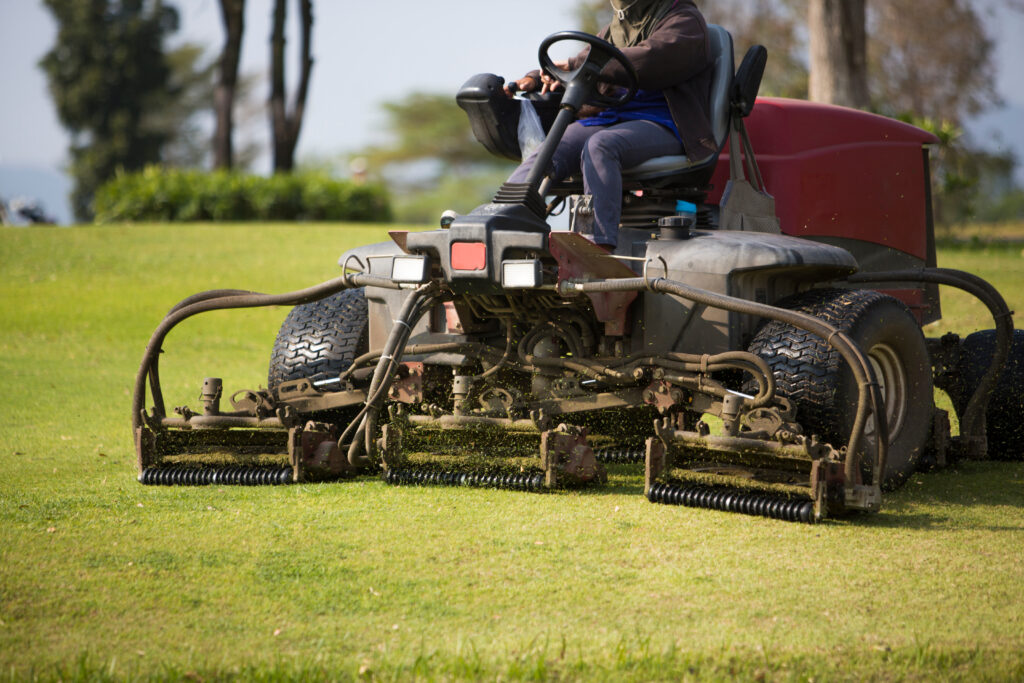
(815,377)
(1004,420)
(319,340)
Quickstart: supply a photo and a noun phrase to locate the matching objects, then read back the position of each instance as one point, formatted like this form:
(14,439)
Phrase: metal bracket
(859,497)
(566,454)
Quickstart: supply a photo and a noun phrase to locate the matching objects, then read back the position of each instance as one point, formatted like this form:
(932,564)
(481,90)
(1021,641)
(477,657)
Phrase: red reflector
(469,256)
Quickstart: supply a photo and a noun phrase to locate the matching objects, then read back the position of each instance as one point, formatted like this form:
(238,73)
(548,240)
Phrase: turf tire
(814,376)
(1004,419)
(320,339)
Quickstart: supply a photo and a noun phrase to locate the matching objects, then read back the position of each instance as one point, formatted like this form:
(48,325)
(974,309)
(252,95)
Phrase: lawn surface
(101,577)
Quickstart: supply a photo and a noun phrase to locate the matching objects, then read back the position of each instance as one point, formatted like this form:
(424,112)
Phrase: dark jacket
(675,59)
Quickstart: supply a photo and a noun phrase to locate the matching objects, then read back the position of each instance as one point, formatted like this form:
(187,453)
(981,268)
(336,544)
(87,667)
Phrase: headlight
(410,269)
(522,274)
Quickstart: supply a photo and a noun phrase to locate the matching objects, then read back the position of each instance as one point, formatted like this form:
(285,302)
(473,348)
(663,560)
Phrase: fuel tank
(755,266)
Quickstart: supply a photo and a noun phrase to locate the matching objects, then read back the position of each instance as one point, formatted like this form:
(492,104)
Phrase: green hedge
(162,194)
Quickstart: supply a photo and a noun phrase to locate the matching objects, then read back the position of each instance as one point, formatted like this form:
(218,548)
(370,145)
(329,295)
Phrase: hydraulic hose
(222,299)
(973,423)
(416,304)
(154,369)
(869,395)
(729,360)
(425,349)
(505,357)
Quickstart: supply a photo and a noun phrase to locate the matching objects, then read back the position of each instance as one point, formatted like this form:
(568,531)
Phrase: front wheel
(319,340)
(815,377)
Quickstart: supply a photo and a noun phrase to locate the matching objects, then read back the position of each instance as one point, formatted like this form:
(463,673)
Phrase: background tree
(285,125)
(233,17)
(179,111)
(185,108)
(837,31)
(932,59)
(425,127)
(431,160)
(776,24)
(106,73)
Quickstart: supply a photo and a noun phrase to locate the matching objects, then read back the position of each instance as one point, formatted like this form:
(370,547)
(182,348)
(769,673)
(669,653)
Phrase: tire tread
(320,338)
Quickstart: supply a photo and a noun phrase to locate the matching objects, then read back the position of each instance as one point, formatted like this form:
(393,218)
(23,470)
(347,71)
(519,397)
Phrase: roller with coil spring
(415,477)
(731,500)
(211,476)
(620,455)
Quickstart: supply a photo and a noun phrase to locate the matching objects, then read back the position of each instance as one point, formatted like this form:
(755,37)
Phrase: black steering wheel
(601,52)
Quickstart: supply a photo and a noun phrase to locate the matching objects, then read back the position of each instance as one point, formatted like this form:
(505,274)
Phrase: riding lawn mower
(758,353)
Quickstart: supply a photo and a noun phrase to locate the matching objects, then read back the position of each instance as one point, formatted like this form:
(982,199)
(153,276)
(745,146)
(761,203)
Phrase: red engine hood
(839,172)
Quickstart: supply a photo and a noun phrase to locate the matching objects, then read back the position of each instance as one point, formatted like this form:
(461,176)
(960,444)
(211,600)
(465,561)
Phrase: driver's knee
(603,148)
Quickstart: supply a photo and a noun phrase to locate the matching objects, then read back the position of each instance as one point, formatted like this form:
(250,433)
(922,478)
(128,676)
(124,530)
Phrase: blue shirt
(646,105)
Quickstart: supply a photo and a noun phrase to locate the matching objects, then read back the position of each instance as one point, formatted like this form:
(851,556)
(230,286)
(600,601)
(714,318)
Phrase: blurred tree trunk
(286,126)
(232,13)
(838,49)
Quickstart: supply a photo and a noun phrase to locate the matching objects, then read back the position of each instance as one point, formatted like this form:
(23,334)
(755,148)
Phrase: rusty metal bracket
(566,457)
(408,387)
(664,396)
(861,497)
(258,403)
(314,453)
(578,258)
(656,462)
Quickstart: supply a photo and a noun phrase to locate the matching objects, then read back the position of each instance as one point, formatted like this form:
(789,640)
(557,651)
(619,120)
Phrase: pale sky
(366,53)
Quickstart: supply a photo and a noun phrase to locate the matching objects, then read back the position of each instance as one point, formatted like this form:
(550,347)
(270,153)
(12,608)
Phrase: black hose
(973,423)
(463,347)
(416,304)
(221,300)
(505,357)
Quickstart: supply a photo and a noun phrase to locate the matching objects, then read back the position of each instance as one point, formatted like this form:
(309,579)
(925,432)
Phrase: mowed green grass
(102,578)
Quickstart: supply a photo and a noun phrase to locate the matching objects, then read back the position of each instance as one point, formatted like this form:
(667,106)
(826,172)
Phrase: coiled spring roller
(619,455)
(733,501)
(213,476)
(516,482)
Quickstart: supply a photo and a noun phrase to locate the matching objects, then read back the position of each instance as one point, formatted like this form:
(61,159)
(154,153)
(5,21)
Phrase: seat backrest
(721,81)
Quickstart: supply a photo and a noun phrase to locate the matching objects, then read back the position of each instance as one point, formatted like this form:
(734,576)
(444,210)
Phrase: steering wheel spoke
(583,81)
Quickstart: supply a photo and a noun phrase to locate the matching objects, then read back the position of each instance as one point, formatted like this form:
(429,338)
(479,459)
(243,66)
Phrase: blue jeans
(601,152)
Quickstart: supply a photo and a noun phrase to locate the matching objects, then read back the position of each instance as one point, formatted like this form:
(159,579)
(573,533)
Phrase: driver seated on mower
(666,41)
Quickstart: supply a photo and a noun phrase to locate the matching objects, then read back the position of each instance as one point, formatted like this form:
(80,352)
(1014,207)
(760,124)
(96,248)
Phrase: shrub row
(163,194)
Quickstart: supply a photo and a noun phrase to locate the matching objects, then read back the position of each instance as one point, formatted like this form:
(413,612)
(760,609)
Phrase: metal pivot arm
(869,395)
